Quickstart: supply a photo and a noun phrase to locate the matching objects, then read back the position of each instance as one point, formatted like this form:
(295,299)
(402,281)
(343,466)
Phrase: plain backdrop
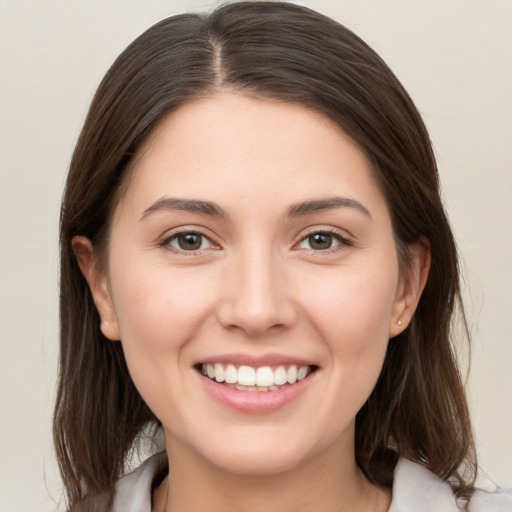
(453,56)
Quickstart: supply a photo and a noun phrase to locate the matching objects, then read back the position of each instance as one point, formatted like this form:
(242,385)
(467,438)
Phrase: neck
(330,482)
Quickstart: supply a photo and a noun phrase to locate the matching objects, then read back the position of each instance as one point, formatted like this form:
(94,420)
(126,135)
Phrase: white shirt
(415,489)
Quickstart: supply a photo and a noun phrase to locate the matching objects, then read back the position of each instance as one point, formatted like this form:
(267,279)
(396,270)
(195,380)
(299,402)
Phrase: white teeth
(219,372)
(247,378)
(250,388)
(280,376)
(264,376)
(301,374)
(291,374)
(231,374)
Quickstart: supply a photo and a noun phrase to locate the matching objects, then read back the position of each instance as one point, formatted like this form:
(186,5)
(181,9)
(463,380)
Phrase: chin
(258,451)
(249,462)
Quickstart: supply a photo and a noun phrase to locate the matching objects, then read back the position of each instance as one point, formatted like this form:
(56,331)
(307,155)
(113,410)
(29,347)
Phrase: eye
(189,241)
(323,241)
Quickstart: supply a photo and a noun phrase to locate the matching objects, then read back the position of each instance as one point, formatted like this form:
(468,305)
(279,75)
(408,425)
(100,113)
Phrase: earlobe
(411,287)
(97,281)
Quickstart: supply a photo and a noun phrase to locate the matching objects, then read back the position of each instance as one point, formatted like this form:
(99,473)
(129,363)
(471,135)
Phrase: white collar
(415,489)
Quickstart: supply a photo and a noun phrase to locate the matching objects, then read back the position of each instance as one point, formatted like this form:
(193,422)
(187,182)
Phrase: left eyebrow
(316,205)
(185,205)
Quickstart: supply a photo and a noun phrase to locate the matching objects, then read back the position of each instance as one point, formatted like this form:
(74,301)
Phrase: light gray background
(453,56)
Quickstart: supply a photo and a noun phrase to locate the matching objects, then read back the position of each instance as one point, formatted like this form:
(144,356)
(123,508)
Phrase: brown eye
(188,241)
(320,241)
(323,241)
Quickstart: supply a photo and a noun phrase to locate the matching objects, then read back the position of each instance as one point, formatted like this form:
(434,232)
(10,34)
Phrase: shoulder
(499,500)
(416,488)
(133,491)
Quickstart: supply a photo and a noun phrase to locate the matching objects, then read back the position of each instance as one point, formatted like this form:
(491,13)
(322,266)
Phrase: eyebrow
(185,205)
(317,205)
(214,210)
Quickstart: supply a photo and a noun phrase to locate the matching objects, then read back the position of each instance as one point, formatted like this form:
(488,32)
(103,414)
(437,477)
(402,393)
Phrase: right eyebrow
(185,205)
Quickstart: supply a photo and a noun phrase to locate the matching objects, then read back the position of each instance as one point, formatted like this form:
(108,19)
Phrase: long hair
(292,54)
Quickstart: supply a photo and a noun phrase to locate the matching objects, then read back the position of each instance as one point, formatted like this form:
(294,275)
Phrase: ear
(410,288)
(98,284)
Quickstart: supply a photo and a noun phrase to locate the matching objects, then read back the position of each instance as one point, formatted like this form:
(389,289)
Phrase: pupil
(189,242)
(320,241)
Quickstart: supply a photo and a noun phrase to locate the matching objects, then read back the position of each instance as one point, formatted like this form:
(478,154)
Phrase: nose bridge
(257,296)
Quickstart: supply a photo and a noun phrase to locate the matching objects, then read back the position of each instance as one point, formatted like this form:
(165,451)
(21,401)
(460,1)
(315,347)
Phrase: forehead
(230,146)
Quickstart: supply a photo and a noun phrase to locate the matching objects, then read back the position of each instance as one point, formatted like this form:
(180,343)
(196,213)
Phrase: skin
(256,286)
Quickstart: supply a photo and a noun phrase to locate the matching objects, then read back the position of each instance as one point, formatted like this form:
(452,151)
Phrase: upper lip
(256,361)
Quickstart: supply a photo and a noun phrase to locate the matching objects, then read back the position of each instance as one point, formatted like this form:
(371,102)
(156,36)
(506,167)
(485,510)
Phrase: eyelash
(342,240)
(166,242)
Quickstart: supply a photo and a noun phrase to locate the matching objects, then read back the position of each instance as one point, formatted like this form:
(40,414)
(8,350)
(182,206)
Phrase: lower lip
(256,402)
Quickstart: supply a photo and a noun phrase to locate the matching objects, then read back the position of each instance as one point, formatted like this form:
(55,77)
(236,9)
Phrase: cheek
(352,314)
(356,304)
(156,306)
(159,313)
(353,318)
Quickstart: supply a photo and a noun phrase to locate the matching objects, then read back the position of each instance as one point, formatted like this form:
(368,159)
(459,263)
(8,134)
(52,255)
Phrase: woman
(255,258)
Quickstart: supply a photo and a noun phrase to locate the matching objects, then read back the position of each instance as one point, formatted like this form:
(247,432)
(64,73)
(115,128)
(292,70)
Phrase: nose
(256,298)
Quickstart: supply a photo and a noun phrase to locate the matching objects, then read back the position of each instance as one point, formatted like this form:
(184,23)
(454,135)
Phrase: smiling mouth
(249,378)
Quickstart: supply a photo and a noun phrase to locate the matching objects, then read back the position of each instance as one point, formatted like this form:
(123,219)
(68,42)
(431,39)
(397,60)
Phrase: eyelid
(169,236)
(345,240)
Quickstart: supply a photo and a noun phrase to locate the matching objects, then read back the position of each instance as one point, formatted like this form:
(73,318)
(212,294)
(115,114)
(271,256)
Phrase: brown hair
(278,51)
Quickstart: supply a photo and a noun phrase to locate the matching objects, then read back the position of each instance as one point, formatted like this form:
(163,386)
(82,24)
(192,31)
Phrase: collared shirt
(415,489)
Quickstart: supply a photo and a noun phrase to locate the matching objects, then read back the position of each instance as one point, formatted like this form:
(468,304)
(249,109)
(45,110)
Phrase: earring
(399,322)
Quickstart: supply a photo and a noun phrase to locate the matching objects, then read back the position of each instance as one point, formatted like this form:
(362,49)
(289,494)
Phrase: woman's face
(252,244)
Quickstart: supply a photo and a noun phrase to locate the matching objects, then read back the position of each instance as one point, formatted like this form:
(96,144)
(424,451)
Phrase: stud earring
(399,322)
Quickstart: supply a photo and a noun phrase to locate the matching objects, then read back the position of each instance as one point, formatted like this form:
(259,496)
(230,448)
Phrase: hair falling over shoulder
(288,53)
